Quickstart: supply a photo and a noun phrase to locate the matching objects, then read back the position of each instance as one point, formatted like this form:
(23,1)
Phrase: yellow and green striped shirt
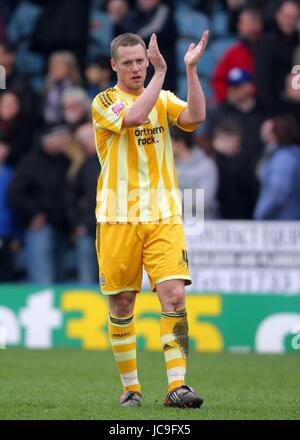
(138,180)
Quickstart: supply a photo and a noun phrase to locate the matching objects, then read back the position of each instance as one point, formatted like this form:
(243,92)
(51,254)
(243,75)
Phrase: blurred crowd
(56,56)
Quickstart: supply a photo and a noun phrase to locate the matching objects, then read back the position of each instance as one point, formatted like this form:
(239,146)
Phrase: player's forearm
(141,108)
(196,108)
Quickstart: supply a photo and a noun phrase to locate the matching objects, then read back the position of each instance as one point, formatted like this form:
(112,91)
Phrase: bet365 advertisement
(61,316)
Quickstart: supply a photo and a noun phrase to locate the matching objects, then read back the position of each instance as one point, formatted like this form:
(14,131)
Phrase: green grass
(74,384)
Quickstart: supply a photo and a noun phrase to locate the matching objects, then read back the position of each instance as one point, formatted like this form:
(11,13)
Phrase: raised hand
(154,55)
(194,52)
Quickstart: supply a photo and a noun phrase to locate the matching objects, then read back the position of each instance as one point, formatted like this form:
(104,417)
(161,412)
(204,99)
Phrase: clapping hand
(195,52)
(154,55)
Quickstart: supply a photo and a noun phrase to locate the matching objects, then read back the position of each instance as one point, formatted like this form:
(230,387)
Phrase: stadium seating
(23,21)
(20,30)
(207,64)
(100,33)
(31,65)
(181,48)
(219,24)
(99,3)
(221,45)
(190,24)
(205,83)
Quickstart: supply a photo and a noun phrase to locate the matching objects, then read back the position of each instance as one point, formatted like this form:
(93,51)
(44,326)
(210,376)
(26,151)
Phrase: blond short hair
(123,40)
(69,59)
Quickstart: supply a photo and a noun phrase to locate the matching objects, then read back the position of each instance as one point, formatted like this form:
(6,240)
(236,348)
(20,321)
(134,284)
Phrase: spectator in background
(237,186)
(233,9)
(241,54)
(63,72)
(9,233)
(195,170)
(279,197)
(242,108)
(234,4)
(152,16)
(16,124)
(267,7)
(36,193)
(296,57)
(208,7)
(7,59)
(267,137)
(76,107)
(62,25)
(16,82)
(80,205)
(76,111)
(290,99)
(2,22)
(117,11)
(8,8)
(274,56)
(98,75)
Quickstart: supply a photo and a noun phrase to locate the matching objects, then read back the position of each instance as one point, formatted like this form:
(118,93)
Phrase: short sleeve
(175,106)
(108,112)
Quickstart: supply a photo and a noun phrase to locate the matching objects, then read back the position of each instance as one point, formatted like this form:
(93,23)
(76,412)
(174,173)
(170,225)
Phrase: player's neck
(129,91)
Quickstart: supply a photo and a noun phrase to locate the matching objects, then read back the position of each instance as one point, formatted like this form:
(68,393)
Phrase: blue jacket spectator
(279,197)
(6,214)
(8,229)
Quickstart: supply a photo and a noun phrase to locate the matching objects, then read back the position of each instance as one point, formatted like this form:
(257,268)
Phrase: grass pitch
(75,384)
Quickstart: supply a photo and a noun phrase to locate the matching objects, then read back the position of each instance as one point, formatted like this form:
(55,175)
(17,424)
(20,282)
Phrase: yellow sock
(123,340)
(174,340)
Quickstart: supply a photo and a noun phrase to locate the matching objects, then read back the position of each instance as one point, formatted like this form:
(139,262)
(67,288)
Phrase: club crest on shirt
(117,108)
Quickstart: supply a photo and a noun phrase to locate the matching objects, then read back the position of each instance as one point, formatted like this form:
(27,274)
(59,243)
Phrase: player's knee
(122,304)
(175,298)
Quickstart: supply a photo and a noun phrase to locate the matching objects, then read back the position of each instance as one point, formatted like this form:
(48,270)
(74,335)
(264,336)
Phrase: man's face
(131,66)
(249,26)
(85,136)
(9,106)
(266,132)
(58,69)
(73,110)
(147,5)
(6,59)
(4,151)
(241,93)
(117,10)
(228,144)
(55,143)
(97,75)
(287,17)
